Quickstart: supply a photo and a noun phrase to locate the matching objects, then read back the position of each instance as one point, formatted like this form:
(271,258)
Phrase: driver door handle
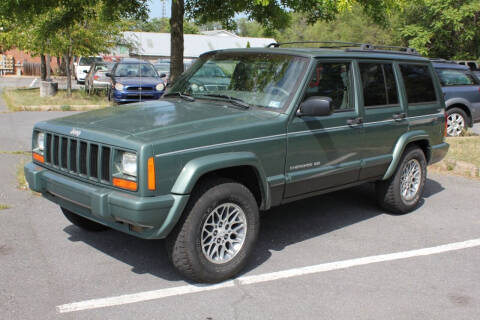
(355,121)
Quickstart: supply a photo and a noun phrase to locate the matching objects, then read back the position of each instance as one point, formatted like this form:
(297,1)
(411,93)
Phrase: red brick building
(30,65)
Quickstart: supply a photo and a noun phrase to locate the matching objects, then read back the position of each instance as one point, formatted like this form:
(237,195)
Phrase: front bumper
(144,217)
(135,96)
(438,152)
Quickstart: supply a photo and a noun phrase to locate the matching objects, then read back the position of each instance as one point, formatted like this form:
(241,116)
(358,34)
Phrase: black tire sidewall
(418,155)
(225,193)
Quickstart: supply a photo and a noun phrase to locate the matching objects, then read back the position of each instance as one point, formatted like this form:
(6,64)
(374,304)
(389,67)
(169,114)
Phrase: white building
(152,46)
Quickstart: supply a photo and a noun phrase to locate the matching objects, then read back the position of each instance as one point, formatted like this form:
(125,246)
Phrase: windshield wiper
(181,95)
(235,101)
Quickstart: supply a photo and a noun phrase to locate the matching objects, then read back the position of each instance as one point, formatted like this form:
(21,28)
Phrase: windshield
(86,61)
(135,70)
(163,67)
(263,80)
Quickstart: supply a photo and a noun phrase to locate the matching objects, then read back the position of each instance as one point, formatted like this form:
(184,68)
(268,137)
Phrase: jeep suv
(197,166)
(462,94)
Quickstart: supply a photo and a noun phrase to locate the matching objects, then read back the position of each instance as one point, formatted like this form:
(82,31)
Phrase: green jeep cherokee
(276,125)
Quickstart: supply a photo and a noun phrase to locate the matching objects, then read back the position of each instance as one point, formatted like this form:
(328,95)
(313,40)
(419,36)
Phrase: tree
(69,26)
(447,29)
(272,14)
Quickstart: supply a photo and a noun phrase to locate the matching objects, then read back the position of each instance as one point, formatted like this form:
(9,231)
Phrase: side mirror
(85,71)
(315,107)
(163,75)
(108,74)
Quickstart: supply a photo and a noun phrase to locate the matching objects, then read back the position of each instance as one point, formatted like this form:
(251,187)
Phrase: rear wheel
(456,122)
(82,222)
(402,192)
(216,236)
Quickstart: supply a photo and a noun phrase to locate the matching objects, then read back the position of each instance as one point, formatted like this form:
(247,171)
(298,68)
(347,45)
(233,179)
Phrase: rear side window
(418,83)
(455,77)
(379,85)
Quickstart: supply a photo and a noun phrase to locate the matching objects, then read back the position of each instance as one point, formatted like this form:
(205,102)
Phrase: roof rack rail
(442,60)
(352,46)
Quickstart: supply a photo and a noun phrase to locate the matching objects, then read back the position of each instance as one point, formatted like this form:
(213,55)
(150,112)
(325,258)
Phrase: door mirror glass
(108,74)
(315,107)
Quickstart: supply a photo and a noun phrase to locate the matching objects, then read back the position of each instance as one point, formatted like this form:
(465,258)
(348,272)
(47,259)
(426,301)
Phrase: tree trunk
(67,57)
(43,67)
(176,39)
(47,67)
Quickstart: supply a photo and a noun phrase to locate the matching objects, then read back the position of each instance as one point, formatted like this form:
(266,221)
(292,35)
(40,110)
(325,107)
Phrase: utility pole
(164,8)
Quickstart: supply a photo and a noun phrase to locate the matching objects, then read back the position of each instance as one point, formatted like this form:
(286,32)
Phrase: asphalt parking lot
(335,256)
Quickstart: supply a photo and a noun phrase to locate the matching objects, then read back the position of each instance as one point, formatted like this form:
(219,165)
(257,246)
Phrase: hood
(154,121)
(130,81)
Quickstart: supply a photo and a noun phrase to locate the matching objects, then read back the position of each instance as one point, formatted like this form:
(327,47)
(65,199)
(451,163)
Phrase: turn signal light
(151,173)
(125,184)
(38,157)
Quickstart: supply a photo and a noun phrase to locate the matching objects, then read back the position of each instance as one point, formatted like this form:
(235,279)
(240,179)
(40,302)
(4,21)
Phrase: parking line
(246,280)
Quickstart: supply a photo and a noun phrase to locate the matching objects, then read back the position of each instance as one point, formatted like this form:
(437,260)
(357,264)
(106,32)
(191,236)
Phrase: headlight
(129,164)
(119,86)
(160,87)
(41,141)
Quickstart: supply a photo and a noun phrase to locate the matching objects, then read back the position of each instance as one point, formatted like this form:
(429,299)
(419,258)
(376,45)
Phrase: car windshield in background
(455,77)
(135,70)
(164,67)
(86,61)
(263,80)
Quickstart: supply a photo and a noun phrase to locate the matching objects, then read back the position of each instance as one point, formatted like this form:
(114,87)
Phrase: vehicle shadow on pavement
(280,227)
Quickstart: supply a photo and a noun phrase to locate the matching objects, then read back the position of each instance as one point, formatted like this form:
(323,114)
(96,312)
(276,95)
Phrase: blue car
(133,81)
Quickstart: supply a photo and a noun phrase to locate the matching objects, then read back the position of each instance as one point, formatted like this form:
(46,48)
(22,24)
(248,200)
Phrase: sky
(156,8)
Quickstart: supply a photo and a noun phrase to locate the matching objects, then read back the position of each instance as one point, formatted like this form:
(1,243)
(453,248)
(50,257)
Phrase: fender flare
(196,168)
(402,142)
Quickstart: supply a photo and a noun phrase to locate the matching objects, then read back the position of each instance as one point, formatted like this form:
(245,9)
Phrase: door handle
(355,121)
(399,116)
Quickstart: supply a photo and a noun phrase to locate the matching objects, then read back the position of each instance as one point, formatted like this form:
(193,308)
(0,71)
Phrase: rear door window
(418,83)
(379,85)
(455,77)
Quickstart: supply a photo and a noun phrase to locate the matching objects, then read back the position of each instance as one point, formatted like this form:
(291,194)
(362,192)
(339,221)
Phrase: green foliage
(161,25)
(447,29)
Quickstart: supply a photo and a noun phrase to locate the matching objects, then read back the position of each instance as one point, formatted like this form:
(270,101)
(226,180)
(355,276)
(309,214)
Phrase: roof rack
(441,60)
(352,46)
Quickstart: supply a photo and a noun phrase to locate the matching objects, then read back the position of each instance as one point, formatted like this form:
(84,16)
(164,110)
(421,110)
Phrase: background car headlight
(118,86)
(129,164)
(41,141)
(160,87)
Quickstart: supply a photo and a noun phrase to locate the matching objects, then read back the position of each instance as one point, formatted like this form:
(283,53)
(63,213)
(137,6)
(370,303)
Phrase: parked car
(462,95)
(210,78)
(83,64)
(134,80)
(196,167)
(163,69)
(473,65)
(97,76)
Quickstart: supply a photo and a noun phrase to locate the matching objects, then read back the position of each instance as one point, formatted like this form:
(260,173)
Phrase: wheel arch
(413,138)
(243,167)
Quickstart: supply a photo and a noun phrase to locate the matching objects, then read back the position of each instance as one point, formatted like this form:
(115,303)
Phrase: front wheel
(217,233)
(402,192)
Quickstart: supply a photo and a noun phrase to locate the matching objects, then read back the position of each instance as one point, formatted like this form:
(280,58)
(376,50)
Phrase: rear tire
(457,121)
(217,233)
(82,222)
(402,192)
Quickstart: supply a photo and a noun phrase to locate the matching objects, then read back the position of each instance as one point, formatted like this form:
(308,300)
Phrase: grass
(21,181)
(4,206)
(29,99)
(463,157)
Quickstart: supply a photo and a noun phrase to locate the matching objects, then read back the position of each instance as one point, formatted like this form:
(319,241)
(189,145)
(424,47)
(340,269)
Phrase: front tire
(215,237)
(82,222)
(402,192)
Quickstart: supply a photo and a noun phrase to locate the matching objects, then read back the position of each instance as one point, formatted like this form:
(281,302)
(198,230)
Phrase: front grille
(138,88)
(78,157)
